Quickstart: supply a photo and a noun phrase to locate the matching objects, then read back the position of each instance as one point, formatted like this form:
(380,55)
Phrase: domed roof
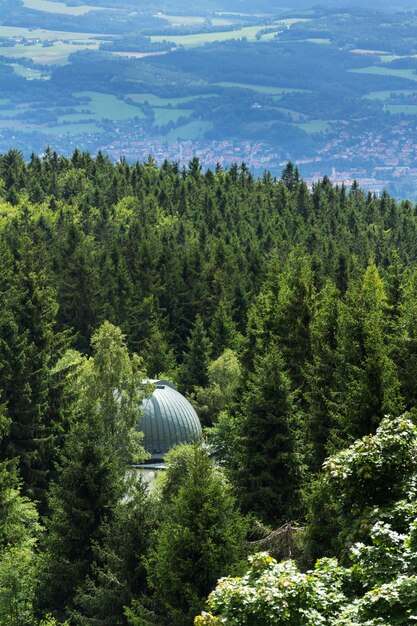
(169,419)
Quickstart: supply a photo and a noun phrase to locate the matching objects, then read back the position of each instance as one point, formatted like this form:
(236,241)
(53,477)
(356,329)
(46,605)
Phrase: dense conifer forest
(286,315)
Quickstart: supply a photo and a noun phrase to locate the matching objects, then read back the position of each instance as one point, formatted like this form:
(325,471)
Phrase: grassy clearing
(51,131)
(387,58)
(70,129)
(266,89)
(294,115)
(76,118)
(163,116)
(385,95)
(41,33)
(193,20)
(157,101)
(199,39)
(51,55)
(191,131)
(58,7)
(315,126)
(292,20)
(406,109)
(7,113)
(386,71)
(320,42)
(27,72)
(106,106)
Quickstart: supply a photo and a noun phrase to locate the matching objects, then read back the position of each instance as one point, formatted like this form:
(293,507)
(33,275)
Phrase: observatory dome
(168,419)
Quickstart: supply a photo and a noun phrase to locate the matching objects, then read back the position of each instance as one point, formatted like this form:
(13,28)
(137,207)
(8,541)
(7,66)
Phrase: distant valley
(333,90)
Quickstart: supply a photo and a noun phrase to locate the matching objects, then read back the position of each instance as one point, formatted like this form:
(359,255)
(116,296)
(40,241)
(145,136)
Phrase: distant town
(376,161)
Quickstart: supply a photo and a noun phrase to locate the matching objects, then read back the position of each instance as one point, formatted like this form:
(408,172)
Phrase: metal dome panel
(169,419)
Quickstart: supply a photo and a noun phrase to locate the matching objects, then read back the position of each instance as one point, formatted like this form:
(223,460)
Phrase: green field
(199,39)
(56,54)
(75,118)
(189,132)
(58,130)
(387,58)
(386,71)
(163,116)
(294,115)
(27,72)
(385,95)
(315,126)
(321,42)
(292,20)
(70,129)
(106,106)
(7,113)
(157,101)
(406,109)
(193,20)
(41,33)
(58,7)
(266,89)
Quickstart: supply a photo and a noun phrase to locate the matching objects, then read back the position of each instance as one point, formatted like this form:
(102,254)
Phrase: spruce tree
(118,573)
(197,359)
(320,373)
(29,347)
(199,540)
(367,382)
(106,392)
(270,475)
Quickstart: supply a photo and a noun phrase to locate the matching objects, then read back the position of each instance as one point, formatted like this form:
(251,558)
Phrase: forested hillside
(288,318)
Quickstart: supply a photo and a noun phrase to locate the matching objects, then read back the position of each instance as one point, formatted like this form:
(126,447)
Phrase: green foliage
(196,361)
(313,346)
(360,485)
(226,440)
(371,488)
(118,573)
(277,594)
(19,533)
(199,539)
(107,402)
(270,472)
(367,382)
(224,378)
(320,373)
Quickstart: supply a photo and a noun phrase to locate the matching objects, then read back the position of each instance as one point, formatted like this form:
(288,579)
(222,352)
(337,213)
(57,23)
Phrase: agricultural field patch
(28,72)
(140,55)
(162,115)
(75,118)
(320,41)
(295,116)
(70,129)
(315,126)
(56,54)
(45,35)
(7,113)
(405,109)
(291,21)
(193,20)
(190,132)
(58,7)
(266,89)
(248,32)
(107,106)
(153,100)
(386,71)
(386,95)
